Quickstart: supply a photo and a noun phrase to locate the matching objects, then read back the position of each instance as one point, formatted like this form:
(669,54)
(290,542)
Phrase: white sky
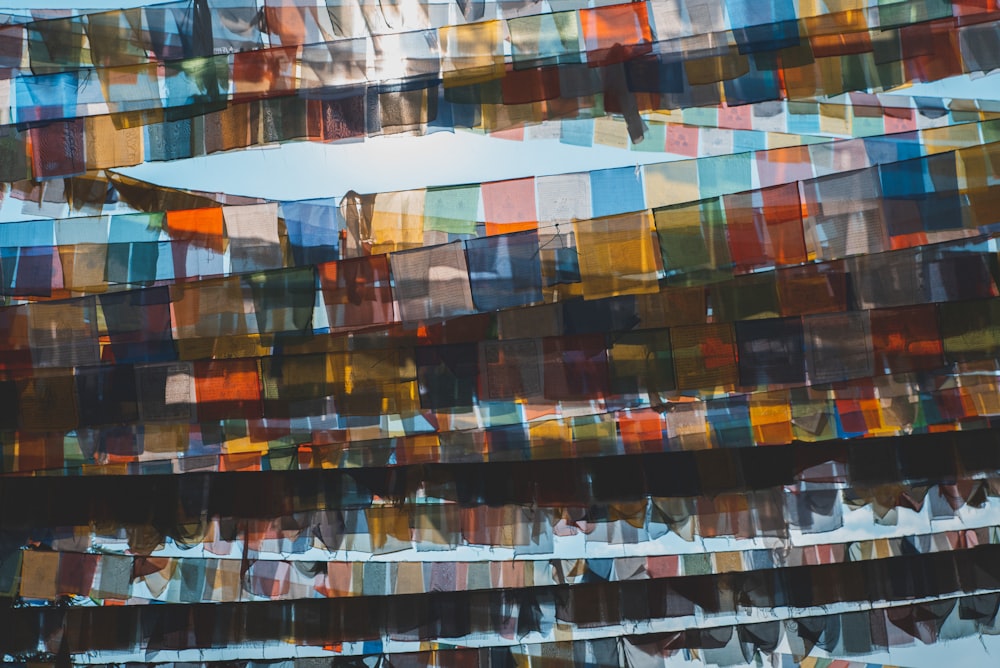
(382,164)
(303,170)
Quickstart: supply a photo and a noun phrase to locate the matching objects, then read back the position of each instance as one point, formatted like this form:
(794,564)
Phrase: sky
(384,164)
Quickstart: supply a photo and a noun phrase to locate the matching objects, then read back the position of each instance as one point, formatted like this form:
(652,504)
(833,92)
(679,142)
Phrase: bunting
(731,406)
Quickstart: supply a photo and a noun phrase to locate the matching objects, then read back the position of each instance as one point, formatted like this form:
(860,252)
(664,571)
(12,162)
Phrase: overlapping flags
(729,408)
